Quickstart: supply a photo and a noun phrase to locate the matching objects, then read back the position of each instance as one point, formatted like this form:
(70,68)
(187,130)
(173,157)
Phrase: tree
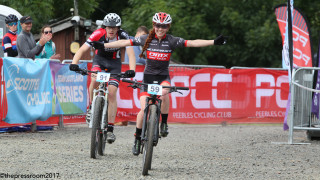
(254,36)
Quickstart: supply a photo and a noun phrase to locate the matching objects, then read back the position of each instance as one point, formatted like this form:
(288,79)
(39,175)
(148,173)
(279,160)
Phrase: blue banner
(28,89)
(69,90)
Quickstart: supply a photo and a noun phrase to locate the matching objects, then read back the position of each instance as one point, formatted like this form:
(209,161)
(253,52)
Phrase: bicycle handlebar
(136,84)
(83,72)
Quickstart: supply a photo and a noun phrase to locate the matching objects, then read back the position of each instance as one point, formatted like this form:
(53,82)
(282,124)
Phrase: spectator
(10,39)
(142,30)
(49,50)
(26,45)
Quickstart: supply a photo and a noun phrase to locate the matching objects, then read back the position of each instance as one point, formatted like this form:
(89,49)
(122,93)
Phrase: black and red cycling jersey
(159,52)
(101,35)
(9,44)
(108,58)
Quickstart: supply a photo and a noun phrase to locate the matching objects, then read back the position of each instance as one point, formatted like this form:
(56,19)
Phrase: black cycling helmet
(11,18)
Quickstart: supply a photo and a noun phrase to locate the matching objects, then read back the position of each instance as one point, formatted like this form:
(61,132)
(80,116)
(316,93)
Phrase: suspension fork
(104,119)
(156,132)
(96,93)
(145,117)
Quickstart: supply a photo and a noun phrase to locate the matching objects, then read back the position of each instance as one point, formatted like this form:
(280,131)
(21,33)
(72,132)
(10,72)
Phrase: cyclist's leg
(92,86)
(165,108)
(113,84)
(112,99)
(141,112)
(139,121)
(165,99)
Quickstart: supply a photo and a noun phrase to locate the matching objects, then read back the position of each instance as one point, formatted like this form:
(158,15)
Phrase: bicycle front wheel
(103,135)
(96,130)
(148,146)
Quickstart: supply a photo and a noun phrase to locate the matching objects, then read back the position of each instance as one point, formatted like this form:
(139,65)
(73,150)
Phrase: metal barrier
(300,115)
(238,67)
(191,66)
(69,61)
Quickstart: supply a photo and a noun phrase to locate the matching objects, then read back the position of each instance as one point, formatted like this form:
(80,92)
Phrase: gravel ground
(189,152)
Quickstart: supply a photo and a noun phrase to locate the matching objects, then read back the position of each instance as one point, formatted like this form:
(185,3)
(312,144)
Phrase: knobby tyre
(103,135)
(148,147)
(96,131)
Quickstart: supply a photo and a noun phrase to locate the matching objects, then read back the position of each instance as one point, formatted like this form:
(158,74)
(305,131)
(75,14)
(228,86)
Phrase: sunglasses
(163,26)
(13,24)
(47,32)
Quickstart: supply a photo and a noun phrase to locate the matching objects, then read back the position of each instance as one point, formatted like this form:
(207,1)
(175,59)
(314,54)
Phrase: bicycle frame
(151,117)
(99,117)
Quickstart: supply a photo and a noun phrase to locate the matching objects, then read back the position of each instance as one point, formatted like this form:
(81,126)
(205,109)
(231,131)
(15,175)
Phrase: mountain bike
(150,125)
(99,118)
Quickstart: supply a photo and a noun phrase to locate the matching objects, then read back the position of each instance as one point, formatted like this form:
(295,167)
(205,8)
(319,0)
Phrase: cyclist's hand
(130,73)
(97,44)
(74,67)
(220,40)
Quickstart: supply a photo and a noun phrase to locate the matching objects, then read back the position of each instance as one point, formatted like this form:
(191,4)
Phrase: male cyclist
(10,39)
(108,59)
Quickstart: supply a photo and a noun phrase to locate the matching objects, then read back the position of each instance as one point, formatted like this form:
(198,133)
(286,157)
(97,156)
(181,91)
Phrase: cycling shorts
(154,79)
(107,65)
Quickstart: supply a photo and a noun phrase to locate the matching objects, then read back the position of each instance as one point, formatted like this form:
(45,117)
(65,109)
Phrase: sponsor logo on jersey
(158,56)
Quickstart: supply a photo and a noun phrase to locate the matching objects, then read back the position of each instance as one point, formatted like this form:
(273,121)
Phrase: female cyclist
(158,46)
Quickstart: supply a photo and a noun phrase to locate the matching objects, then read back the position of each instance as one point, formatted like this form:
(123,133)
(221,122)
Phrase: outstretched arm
(118,44)
(199,43)
(220,40)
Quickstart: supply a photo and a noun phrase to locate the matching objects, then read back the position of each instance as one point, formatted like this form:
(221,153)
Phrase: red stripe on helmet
(162,16)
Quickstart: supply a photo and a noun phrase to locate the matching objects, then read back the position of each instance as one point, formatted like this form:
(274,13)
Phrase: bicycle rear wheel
(96,130)
(148,146)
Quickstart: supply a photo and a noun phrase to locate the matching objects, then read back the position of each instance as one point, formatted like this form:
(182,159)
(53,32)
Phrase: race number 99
(154,89)
(103,77)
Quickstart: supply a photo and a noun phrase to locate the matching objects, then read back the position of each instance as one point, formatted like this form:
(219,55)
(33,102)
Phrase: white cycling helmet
(162,18)
(112,19)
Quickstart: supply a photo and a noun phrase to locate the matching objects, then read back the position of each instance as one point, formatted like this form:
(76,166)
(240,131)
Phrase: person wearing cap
(10,38)
(26,45)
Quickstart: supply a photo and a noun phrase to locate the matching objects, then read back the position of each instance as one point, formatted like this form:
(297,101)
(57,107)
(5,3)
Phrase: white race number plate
(155,89)
(103,77)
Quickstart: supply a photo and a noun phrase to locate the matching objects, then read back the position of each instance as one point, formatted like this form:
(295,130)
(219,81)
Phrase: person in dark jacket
(26,45)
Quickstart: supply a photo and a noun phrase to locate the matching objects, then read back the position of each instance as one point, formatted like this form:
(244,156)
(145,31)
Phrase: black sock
(164,118)
(110,127)
(138,133)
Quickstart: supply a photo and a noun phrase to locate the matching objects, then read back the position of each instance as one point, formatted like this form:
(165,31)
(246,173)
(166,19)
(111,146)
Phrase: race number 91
(103,77)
